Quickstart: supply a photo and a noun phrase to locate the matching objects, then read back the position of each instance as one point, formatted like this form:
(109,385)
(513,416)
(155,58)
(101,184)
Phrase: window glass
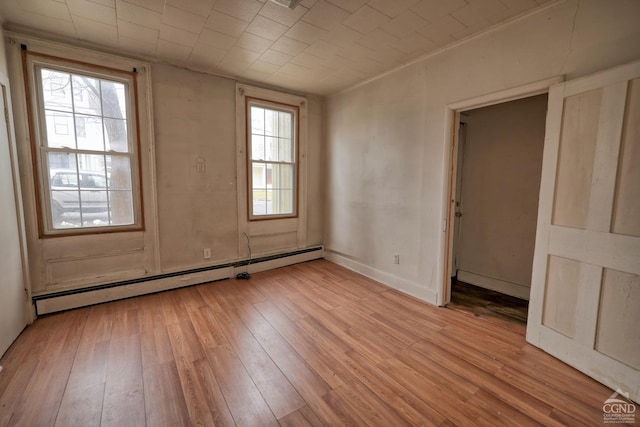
(272,152)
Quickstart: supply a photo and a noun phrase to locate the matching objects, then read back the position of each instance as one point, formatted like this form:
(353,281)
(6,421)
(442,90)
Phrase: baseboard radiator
(75,298)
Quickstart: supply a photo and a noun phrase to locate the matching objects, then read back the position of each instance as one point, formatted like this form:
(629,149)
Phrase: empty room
(319,212)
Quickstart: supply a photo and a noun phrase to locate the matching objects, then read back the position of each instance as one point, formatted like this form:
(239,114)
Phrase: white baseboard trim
(509,288)
(416,290)
(66,301)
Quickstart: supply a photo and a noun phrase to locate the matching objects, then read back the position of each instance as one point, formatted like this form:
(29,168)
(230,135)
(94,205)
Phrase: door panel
(585,295)
(12,295)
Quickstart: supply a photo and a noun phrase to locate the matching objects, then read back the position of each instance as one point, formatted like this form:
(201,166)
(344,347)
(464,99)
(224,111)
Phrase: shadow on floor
(485,302)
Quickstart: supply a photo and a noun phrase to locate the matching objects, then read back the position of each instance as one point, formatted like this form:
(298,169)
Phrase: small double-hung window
(85,147)
(272,133)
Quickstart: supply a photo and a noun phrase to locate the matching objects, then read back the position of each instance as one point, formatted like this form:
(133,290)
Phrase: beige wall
(194,119)
(387,158)
(500,188)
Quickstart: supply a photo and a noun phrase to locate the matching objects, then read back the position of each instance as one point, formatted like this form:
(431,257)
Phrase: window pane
(89,133)
(121,207)
(282,176)
(56,90)
(282,202)
(63,188)
(119,168)
(271,148)
(115,130)
(285,150)
(257,120)
(94,164)
(60,130)
(269,202)
(257,147)
(270,122)
(259,202)
(259,176)
(86,95)
(113,100)
(284,124)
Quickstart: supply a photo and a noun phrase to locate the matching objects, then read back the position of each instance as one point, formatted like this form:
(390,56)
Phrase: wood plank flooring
(307,345)
(484,302)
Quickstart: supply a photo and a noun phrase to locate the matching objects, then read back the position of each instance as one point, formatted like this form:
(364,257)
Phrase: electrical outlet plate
(206,253)
(396,259)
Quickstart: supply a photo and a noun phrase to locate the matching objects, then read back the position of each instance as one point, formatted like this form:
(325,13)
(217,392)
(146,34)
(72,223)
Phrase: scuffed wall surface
(387,158)
(194,120)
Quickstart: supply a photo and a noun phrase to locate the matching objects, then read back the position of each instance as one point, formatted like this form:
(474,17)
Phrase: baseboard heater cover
(75,298)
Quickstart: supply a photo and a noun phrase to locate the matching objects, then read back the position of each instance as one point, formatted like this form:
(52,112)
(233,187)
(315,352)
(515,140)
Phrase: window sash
(285,198)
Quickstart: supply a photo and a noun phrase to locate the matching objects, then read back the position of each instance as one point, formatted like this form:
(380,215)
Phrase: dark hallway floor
(484,302)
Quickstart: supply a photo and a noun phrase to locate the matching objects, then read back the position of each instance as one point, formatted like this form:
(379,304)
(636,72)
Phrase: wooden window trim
(286,107)
(33,141)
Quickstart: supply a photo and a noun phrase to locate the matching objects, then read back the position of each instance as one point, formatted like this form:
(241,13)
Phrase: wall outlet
(206,253)
(396,259)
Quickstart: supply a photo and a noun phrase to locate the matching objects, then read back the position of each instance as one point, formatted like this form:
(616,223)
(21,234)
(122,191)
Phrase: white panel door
(585,292)
(12,294)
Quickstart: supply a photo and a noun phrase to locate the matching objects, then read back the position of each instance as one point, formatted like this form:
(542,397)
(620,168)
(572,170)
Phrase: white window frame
(33,62)
(274,106)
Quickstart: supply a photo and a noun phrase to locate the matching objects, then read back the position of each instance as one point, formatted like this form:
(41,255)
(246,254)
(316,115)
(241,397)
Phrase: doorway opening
(498,165)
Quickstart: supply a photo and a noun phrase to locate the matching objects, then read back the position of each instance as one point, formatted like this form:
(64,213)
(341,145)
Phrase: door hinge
(444,225)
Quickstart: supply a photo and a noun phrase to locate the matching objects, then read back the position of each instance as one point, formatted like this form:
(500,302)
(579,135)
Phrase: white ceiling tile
(283,15)
(325,15)
(216,39)
(43,23)
(184,20)
(289,46)
(177,35)
(173,52)
(205,56)
(356,51)
(412,43)
(155,5)
(241,9)
(393,8)
(226,24)
(431,10)
(440,31)
(49,8)
(324,49)
(386,54)
(137,32)
(96,32)
(514,7)
(404,24)
(308,3)
(305,33)
(264,67)
(376,38)
(349,5)
(137,46)
(199,7)
(94,11)
(266,28)
(481,25)
(366,19)
(138,15)
(342,36)
(275,57)
(108,3)
(310,61)
(477,12)
(294,70)
(253,43)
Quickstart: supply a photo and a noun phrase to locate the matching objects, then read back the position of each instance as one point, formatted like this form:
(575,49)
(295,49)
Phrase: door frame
(17,194)
(452,118)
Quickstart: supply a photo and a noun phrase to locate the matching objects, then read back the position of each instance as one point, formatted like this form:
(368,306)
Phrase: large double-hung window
(85,147)
(272,131)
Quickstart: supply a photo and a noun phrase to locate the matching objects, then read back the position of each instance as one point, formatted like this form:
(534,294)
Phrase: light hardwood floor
(311,344)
